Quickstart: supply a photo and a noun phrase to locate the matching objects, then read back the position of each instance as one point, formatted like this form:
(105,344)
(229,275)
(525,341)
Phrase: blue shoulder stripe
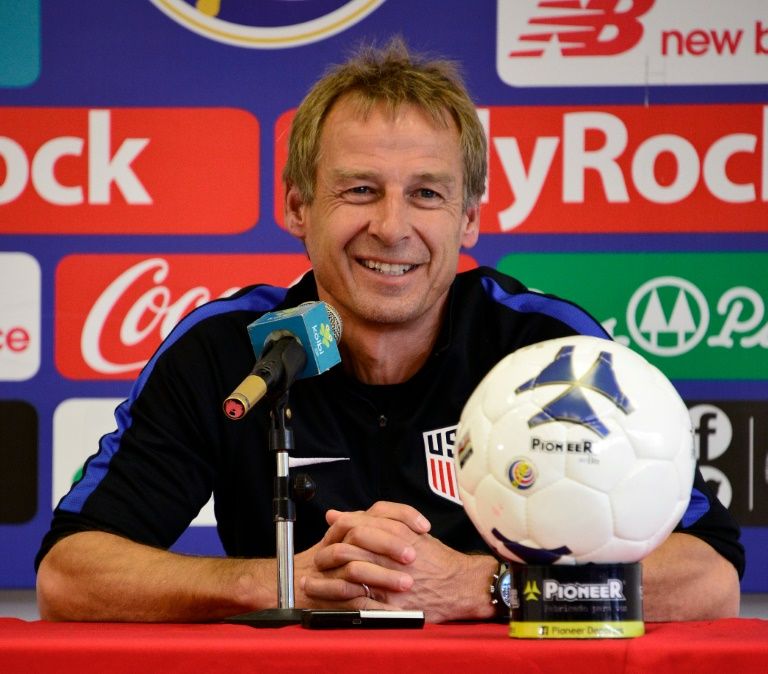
(697,507)
(531,302)
(259,299)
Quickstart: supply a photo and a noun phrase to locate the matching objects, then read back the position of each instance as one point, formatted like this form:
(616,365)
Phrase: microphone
(289,344)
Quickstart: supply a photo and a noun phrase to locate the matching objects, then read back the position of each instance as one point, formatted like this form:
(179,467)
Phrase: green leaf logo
(326,334)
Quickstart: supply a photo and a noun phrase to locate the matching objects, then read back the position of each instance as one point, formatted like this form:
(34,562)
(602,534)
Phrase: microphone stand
(284,515)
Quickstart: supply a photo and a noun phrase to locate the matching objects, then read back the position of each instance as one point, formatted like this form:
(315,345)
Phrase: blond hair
(392,76)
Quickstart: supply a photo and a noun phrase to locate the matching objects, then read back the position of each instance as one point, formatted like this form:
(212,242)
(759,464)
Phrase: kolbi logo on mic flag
(439,446)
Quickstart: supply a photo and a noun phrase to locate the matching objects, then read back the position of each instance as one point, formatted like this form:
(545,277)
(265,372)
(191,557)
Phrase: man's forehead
(362,109)
(353,145)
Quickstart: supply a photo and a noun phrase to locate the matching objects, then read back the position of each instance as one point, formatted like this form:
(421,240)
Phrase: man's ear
(295,211)
(471,227)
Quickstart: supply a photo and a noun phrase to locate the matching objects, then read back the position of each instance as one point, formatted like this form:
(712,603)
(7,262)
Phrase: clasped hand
(383,558)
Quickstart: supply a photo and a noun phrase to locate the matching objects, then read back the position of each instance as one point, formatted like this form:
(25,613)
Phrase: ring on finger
(367,590)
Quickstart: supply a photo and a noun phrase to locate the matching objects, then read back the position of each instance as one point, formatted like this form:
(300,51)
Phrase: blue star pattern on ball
(572,405)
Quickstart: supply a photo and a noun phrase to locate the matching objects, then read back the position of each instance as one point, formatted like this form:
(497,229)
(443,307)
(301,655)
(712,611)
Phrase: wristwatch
(501,585)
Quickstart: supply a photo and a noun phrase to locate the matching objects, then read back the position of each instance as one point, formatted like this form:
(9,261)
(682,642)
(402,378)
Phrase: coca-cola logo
(113,311)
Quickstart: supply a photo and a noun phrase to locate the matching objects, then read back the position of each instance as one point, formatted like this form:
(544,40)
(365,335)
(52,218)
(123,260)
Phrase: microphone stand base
(270,617)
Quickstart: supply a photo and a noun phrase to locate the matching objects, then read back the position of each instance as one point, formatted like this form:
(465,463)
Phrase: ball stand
(588,601)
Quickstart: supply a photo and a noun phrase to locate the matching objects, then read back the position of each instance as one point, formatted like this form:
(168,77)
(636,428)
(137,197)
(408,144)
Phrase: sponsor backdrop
(141,143)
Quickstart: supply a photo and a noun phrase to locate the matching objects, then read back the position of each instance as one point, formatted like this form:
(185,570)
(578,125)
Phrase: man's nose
(389,221)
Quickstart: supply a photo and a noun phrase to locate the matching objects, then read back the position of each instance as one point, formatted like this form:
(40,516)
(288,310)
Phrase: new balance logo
(572,405)
(578,28)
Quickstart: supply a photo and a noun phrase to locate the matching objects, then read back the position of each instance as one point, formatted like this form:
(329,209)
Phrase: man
(385,173)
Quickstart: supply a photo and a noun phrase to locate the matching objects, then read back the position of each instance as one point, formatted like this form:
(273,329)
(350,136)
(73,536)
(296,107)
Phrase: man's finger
(398,512)
(358,575)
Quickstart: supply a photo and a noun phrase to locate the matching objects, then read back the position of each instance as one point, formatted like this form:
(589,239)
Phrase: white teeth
(386,268)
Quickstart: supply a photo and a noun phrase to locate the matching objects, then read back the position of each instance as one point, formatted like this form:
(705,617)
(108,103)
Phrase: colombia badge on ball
(589,601)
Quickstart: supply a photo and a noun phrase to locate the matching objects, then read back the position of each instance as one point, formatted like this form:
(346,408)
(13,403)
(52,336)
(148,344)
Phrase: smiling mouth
(387,268)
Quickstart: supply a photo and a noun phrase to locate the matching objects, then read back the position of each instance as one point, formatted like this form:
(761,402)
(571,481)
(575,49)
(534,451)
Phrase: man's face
(384,230)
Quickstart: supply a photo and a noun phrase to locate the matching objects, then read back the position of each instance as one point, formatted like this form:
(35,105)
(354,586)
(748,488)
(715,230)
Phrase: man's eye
(360,189)
(426,193)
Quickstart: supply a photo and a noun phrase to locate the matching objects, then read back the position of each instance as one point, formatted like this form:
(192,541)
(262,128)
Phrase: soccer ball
(575,450)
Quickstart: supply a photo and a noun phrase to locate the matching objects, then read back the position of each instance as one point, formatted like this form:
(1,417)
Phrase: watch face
(505,585)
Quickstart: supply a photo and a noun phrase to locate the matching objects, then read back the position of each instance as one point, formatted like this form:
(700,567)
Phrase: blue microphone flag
(315,324)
